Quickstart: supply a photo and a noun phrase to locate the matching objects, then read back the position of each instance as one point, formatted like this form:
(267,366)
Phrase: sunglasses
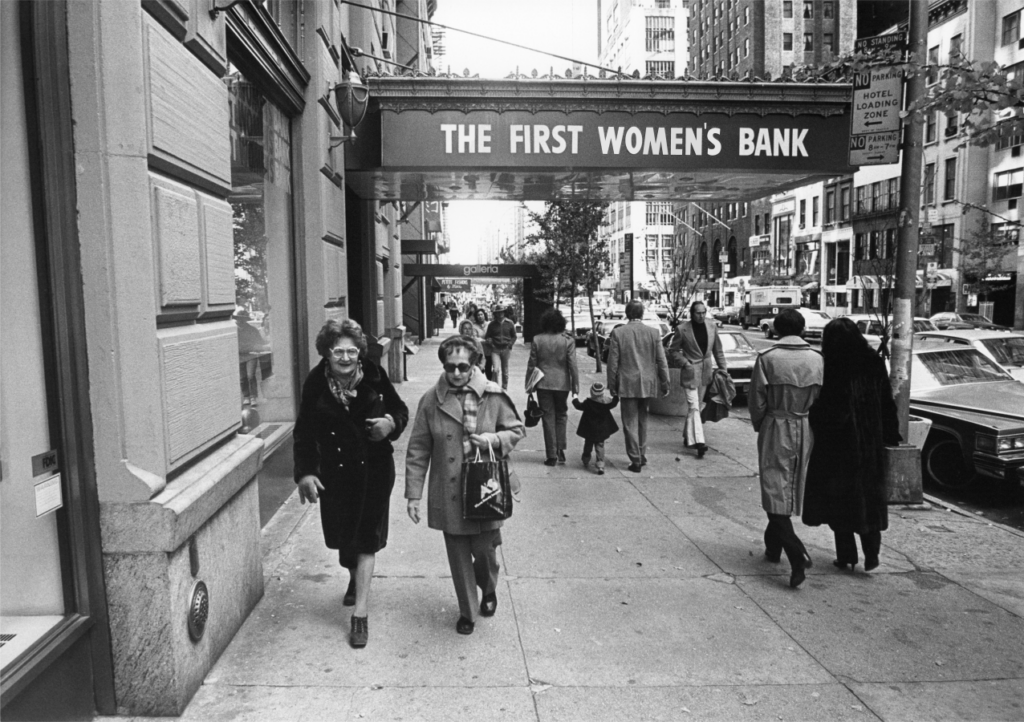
(461,368)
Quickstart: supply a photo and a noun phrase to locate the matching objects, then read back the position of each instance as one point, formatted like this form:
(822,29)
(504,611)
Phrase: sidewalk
(635,597)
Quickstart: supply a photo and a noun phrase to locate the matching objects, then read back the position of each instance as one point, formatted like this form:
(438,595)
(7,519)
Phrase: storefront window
(261,200)
(32,586)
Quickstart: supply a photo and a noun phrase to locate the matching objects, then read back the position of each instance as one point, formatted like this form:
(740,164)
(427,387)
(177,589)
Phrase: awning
(812,286)
(937,279)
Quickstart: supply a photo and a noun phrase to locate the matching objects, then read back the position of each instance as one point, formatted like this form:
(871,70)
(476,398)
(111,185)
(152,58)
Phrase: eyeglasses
(344,351)
(461,368)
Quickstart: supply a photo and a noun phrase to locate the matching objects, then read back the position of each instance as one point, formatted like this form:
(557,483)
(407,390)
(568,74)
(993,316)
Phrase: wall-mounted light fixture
(351,98)
(219,6)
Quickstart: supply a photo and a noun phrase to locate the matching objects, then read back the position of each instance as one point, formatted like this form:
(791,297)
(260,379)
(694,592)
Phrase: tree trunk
(593,330)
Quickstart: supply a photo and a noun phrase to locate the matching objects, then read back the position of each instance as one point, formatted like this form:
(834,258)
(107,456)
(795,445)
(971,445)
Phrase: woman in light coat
(554,353)
(462,413)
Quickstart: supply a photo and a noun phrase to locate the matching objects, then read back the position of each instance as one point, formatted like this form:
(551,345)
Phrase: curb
(934,501)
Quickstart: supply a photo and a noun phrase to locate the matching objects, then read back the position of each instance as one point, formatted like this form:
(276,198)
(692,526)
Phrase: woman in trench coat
(348,417)
(853,420)
(463,412)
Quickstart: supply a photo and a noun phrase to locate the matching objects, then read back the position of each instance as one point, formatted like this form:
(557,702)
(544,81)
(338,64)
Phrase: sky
(565,27)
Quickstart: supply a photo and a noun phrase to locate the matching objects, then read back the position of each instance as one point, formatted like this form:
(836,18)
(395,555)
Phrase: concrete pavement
(635,597)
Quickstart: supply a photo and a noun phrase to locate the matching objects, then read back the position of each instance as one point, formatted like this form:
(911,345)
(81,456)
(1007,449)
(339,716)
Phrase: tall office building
(647,38)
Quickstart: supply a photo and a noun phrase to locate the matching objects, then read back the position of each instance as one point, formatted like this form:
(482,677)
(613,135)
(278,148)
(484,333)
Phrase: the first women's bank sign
(744,141)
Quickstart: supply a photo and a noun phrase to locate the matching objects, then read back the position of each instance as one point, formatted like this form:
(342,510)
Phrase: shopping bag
(486,488)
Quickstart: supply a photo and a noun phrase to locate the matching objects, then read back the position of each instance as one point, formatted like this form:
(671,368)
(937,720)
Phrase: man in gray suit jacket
(637,371)
(694,344)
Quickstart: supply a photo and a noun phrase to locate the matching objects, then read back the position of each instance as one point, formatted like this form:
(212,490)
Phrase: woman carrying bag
(553,352)
(462,414)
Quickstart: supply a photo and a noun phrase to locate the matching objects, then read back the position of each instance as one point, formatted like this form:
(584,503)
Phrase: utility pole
(909,221)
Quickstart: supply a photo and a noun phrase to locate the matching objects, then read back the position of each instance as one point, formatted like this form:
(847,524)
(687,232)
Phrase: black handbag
(533,412)
(486,489)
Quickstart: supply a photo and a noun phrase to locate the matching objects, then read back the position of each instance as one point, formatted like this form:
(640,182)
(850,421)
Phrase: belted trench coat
(785,382)
(436,444)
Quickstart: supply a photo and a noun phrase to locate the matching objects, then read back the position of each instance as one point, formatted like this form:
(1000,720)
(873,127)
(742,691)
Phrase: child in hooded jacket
(597,423)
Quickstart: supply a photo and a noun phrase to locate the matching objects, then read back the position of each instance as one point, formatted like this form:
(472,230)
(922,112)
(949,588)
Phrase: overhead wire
(481,35)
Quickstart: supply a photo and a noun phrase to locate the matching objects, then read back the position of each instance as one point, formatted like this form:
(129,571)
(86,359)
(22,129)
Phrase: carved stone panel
(218,252)
(206,37)
(188,105)
(199,370)
(176,235)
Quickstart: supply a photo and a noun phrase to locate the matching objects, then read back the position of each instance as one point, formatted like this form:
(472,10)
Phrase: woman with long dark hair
(853,419)
(554,353)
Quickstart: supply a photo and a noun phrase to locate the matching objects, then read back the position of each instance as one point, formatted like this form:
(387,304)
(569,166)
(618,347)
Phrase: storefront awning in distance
(458,138)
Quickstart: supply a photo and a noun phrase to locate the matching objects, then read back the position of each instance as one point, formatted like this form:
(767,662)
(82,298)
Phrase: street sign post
(877,102)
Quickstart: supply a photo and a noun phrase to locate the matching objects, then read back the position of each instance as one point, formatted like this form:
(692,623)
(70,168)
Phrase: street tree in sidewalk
(988,251)
(680,286)
(573,256)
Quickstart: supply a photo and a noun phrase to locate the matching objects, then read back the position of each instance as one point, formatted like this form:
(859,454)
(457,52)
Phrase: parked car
(871,326)
(977,413)
(615,310)
(605,327)
(1006,348)
(740,356)
(730,314)
(814,323)
(952,320)
(661,310)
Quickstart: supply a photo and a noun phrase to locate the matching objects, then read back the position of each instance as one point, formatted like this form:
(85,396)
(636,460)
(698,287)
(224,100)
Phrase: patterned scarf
(344,390)
(470,406)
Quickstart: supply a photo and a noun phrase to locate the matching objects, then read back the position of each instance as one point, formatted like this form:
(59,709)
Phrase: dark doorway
(359,284)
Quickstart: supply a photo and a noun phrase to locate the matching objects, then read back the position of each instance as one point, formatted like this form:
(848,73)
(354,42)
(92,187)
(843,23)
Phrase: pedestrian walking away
(453,311)
(554,353)
(348,417)
(501,333)
(785,382)
(597,423)
(462,413)
(853,420)
(481,323)
(696,349)
(637,372)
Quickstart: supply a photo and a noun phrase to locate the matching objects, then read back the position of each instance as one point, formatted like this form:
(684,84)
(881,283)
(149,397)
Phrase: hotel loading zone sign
(877,101)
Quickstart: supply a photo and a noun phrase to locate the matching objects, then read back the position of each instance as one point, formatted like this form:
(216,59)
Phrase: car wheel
(767,331)
(744,325)
(943,463)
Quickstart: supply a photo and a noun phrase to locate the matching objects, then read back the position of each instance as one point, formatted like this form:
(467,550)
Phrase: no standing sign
(877,101)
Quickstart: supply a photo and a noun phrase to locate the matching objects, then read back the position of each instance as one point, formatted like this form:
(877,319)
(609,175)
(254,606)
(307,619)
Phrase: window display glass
(261,202)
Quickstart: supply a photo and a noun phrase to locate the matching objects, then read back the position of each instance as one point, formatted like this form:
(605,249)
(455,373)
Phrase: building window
(830,206)
(808,42)
(652,241)
(661,34)
(746,15)
(808,8)
(844,203)
(803,212)
(814,210)
(1011,28)
(928,192)
(894,193)
(664,68)
(746,47)
(658,214)
(757,224)
(1008,185)
(949,180)
(787,41)
(663,4)
(952,125)
(878,201)
(1010,141)
(261,202)
(830,42)
(929,127)
(827,10)
(787,10)
(861,200)
(933,66)
(955,44)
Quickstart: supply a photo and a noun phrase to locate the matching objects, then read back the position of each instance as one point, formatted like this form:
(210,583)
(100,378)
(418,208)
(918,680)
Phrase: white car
(814,323)
(1006,348)
(871,325)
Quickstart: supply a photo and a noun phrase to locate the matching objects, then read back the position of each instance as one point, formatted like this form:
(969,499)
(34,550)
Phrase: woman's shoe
(360,632)
(464,626)
(842,565)
(870,563)
(489,604)
(773,558)
(550,462)
(701,450)
(797,576)
(350,594)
